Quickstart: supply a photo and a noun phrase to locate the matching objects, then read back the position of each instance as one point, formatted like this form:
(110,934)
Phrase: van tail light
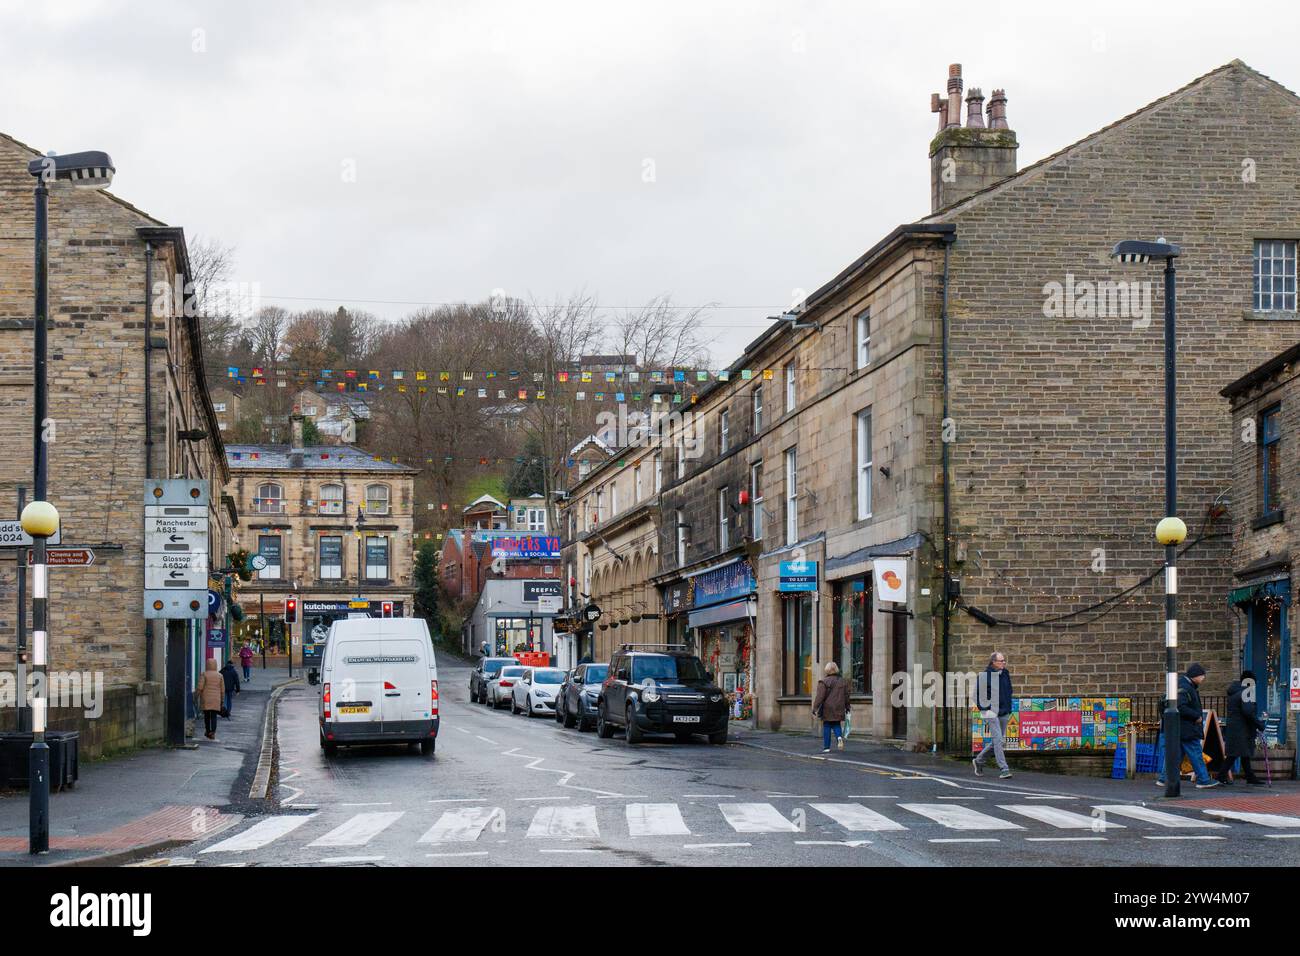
(325,699)
(433,697)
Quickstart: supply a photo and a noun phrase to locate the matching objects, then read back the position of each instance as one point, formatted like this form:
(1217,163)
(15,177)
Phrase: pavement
(112,815)
(513,790)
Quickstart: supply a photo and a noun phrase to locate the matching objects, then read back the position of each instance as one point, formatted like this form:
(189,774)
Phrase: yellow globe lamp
(40,519)
(1171,531)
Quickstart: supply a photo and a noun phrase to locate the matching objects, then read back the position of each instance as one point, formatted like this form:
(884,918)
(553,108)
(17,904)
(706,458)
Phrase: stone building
(108,376)
(1264,425)
(335,526)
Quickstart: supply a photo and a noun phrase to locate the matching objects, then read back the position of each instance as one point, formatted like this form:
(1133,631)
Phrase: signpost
(64,557)
(176,549)
(13,536)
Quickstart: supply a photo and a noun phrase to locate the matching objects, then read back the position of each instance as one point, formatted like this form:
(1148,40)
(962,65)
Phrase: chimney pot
(998,110)
(939,105)
(975,108)
(953,117)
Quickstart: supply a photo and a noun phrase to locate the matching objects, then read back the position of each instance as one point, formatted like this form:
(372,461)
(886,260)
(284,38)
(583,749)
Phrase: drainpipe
(148,420)
(947,503)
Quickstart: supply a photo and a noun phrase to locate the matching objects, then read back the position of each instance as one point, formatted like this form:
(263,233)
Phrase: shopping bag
(847,724)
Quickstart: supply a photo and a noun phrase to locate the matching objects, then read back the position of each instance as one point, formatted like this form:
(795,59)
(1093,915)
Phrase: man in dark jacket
(993,698)
(1243,726)
(231,678)
(1191,726)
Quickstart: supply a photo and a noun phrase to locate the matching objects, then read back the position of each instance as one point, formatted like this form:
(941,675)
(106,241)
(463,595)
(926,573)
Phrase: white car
(536,691)
(500,687)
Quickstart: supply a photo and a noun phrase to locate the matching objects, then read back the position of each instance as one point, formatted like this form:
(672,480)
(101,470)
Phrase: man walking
(1191,722)
(993,698)
(230,681)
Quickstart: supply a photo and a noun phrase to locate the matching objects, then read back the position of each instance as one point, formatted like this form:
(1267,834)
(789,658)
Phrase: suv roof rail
(628,647)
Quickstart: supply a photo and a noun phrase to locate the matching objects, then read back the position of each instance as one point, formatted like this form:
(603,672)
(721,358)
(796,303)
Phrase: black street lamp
(1171,531)
(40,519)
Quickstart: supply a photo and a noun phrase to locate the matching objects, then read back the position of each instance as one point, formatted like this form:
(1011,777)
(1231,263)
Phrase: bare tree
(211,263)
(662,335)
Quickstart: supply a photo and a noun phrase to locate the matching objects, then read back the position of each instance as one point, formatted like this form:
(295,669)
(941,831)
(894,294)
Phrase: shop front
(318,615)
(721,620)
(1266,651)
(677,607)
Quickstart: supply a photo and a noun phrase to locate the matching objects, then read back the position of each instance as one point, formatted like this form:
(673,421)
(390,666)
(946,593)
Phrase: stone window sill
(1266,521)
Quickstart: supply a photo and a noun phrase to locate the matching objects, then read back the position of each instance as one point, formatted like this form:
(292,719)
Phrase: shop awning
(719,613)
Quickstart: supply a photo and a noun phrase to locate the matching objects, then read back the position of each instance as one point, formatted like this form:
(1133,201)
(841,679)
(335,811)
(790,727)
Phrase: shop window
(851,642)
(269,547)
(797,663)
(377,558)
(330,549)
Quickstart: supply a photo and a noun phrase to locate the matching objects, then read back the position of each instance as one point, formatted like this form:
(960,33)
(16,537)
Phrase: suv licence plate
(686,720)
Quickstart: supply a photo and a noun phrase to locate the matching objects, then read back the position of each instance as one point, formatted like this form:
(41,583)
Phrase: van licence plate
(686,720)
(354,708)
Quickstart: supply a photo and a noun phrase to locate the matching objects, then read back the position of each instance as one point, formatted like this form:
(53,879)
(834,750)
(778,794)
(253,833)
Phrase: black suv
(664,692)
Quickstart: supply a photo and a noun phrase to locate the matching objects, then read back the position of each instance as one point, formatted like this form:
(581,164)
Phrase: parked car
(535,691)
(665,692)
(501,685)
(576,706)
(379,684)
(478,678)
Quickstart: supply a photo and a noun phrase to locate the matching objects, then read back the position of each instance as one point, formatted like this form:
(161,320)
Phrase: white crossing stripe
(856,817)
(565,823)
(1158,817)
(756,818)
(261,833)
(1263,819)
(359,830)
(656,819)
(1063,819)
(956,817)
(461,824)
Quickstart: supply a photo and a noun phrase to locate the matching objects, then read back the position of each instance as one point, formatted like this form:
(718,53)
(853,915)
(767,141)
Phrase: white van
(379,684)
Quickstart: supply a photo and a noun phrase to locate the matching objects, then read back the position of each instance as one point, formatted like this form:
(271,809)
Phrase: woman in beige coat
(208,695)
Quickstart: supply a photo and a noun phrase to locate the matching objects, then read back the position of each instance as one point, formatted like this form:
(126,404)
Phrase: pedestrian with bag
(231,687)
(246,659)
(993,698)
(208,696)
(1191,727)
(1244,726)
(831,706)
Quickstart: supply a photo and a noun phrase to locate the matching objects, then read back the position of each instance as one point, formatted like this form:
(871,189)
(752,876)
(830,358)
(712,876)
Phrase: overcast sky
(721,153)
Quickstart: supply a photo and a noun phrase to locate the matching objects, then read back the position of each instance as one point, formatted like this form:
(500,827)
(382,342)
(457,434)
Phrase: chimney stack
(295,425)
(966,159)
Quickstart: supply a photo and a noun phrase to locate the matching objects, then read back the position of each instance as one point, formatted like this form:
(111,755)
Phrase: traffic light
(291,609)
(388,609)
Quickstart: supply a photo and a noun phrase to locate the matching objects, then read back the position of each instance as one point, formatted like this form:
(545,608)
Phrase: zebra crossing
(465,825)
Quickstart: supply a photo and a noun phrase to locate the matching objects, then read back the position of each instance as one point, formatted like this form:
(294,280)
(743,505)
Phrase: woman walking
(209,694)
(832,705)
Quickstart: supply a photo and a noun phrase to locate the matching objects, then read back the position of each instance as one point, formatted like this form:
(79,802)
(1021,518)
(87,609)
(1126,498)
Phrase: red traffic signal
(291,609)
(388,609)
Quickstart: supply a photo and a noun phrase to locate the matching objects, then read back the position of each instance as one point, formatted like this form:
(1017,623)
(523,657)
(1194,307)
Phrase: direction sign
(176,491)
(166,542)
(64,557)
(176,524)
(12,535)
(187,570)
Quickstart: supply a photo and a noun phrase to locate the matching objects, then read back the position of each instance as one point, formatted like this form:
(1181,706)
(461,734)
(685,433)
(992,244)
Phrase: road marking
(965,840)
(565,823)
(468,853)
(1158,817)
(359,830)
(656,819)
(874,796)
(1036,796)
(261,833)
(624,796)
(959,798)
(461,729)
(1282,836)
(570,851)
(1065,839)
(521,799)
(487,740)
(460,824)
(329,860)
(1263,819)
(960,818)
(1200,837)
(378,803)
(711,846)
(706,796)
(1063,819)
(857,818)
(793,796)
(756,818)
(853,843)
(458,800)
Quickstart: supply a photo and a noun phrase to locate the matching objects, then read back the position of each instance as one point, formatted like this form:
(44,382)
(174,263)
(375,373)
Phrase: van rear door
(358,681)
(406,681)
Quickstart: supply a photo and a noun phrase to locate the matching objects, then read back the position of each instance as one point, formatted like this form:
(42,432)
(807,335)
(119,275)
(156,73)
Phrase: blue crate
(1147,760)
